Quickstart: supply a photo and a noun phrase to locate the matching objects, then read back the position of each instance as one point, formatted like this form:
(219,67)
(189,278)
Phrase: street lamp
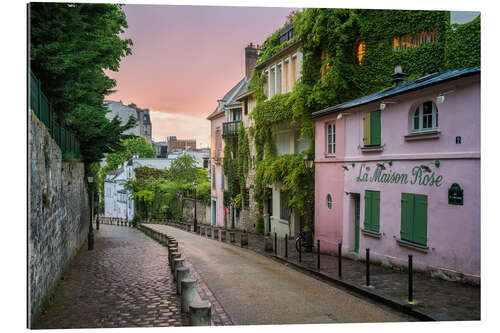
(97,215)
(309,161)
(195,184)
(90,179)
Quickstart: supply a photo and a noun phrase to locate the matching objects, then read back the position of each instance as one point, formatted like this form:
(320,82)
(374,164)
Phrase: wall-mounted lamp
(384,104)
(440,99)
(339,116)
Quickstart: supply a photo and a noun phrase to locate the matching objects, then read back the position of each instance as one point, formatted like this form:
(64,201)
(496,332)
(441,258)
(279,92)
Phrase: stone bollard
(232,236)
(209,232)
(243,239)
(215,234)
(188,292)
(179,262)
(222,235)
(171,250)
(181,273)
(268,244)
(200,313)
(174,256)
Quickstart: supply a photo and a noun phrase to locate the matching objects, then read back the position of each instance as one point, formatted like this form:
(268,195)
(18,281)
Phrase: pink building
(398,172)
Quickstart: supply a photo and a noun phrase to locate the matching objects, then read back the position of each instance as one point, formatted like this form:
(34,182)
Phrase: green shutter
(406,216)
(375,128)
(420,220)
(368,210)
(375,212)
(222,180)
(366,129)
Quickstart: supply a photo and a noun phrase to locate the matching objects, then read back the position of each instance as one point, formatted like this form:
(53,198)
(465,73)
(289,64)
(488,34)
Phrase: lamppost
(309,161)
(90,179)
(195,184)
(97,215)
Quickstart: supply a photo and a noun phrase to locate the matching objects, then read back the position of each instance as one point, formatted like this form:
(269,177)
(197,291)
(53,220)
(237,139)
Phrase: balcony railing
(230,128)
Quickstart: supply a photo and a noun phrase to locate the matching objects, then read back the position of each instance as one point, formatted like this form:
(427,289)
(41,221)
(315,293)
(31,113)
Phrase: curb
(400,306)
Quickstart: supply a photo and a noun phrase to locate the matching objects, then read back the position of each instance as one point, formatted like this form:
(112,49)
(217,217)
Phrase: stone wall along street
(202,211)
(58,218)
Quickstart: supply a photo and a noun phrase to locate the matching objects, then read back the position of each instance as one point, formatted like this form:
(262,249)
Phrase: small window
(286,75)
(425,117)
(330,139)
(325,63)
(284,210)
(295,70)
(360,52)
(372,129)
(329,201)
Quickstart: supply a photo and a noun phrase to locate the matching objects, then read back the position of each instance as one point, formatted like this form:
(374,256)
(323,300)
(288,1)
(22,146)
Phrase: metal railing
(230,128)
(44,110)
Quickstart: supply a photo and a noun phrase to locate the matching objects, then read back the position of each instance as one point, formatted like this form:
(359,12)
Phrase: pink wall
(217,192)
(329,180)
(453,232)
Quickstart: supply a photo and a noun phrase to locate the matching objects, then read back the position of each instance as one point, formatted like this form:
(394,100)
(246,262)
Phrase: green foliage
(128,147)
(184,169)
(238,200)
(70,47)
(259,225)
(463,45)
(136,220)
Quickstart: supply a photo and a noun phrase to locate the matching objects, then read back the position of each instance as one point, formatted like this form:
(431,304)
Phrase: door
(356,222)
(214,212)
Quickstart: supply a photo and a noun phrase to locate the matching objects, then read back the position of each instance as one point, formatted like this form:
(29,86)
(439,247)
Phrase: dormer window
(425,117)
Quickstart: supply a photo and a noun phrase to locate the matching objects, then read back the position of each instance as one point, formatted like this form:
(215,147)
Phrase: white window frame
(330,141)
(272,81)
(279,77)
(419,112)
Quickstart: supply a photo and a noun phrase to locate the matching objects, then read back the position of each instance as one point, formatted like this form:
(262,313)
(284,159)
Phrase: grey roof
(230,96)
(418,83)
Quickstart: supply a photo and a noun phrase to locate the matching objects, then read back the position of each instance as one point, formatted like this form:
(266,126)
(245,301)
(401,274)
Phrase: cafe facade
(398,172)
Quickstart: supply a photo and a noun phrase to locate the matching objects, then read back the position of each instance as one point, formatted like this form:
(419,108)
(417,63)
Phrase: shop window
(372,211)
(414,218)
(284,209)
(372,129)
(425,117)
(330,139)
(329,201)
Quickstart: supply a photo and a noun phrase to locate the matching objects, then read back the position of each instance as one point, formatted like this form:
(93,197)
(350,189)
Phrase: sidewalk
(435,299)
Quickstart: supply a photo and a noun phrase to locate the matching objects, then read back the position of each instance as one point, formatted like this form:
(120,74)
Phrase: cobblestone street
(123,282)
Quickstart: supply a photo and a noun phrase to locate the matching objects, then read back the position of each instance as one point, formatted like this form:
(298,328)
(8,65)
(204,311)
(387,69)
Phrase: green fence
(45,112)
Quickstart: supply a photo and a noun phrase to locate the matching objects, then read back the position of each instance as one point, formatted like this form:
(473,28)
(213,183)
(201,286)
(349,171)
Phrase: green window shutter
(375,211)
(375,128)
(368,210)
(420,220)
(366,129)
(406,216)
(222,180)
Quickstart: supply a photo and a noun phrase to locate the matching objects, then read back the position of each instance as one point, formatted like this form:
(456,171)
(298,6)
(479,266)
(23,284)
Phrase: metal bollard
(275,243)
(367,267)
(410,279)
(178,263)
(188,293)
(319,256)
(286,245)
(300,250)
(182,273)
(340,260)
(200,313)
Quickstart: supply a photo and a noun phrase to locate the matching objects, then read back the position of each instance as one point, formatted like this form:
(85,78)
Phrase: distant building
(143,126)
(161,149)
(178,145)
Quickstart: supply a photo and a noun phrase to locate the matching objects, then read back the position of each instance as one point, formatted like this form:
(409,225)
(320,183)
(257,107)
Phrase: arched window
(425,117)
(329,201)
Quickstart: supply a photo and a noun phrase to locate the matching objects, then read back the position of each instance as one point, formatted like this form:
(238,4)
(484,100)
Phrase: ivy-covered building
(325,57)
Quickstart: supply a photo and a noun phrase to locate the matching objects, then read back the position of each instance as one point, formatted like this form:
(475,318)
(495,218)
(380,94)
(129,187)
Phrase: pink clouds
(185,58)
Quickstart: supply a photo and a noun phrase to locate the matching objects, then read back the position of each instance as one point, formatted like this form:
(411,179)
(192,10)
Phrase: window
(283,143)
(222,180)
(414,218)
(330,139)
(329,201)
(325,67)
(414,40)
(284,210)
(425,117)
(213,179)
(272,87)
(294,71)
(278,79)
(372,211)
(360,52)
(286,78)
(371,128)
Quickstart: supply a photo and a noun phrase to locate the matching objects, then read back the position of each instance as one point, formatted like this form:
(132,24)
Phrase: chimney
(398,77)
(251,54)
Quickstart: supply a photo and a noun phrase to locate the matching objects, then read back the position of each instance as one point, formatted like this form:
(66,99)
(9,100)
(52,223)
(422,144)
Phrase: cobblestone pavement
(123,282)
(443,300)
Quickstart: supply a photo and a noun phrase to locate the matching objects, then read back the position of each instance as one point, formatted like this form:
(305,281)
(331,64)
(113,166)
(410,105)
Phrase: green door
(356,223)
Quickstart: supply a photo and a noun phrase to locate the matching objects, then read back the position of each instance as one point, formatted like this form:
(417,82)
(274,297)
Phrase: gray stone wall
(58,216)
(202,211)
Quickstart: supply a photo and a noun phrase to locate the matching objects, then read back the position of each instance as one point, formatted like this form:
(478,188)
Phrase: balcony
(230,128)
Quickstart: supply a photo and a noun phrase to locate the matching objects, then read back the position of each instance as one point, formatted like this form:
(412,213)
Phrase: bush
(259,225)
(136,220)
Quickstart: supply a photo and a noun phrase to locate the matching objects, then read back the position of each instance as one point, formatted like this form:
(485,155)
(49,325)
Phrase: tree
(183,169)
(137,145)
(70,47)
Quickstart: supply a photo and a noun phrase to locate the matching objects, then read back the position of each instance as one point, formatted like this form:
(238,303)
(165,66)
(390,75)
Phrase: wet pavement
(123,282)
(254,289)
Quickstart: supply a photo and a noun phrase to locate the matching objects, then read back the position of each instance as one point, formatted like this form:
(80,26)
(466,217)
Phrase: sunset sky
(185,58)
